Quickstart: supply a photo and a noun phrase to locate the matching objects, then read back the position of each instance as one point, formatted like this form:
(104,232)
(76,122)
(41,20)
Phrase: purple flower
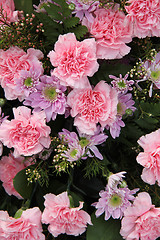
(115,179)
(151,71)
(27,81)
(90,143)
(84,8)
(49,96)
(125,106)
(121,84)
(40,7)
(73,153)
(114,202)
(85,142)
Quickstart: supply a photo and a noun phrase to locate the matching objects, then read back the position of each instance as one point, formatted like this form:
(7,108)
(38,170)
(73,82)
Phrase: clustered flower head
(27,133)
(121,84)
(145,17)
(27,226)
(90,107)
(74,60)
(150,70)
(81,147)
(48,96)
(112,30)
(150,157)
(62,218)
(83,8)
(115,198)
(141,220)
(12,61)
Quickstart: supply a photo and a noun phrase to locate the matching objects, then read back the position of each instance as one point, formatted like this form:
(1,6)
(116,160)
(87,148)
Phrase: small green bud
(71,6)
(2,102)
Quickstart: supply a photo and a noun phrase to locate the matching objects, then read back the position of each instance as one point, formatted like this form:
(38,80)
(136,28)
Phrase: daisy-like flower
(114,202)
(40,7)
(84,8)
(121,84)
(151,71)
(84,145)
(115,179)
(49,96)
(125,106)
(27,81)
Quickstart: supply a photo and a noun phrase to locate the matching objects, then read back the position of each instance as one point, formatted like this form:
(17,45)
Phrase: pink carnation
(8,11)
(12,61)
(112,31)
(62,218)
(145,16)
(28,226)
(9,167)
(74,60)
(27,134)
(90,107)
(150,158)
(141,220)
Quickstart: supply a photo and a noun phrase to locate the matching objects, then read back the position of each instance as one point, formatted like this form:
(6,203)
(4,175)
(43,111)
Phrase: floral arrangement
(79,119)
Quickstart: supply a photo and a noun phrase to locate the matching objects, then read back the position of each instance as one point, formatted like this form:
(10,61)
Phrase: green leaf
(71,22)
(24,5)
(103,230)
(54,11)
(21,185)
(79,31)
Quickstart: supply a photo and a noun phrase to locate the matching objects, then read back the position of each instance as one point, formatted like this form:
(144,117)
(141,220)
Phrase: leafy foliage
(59,21)
(103,230)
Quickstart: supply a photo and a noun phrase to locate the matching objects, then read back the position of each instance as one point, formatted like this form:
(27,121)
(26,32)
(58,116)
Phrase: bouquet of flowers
(79,119)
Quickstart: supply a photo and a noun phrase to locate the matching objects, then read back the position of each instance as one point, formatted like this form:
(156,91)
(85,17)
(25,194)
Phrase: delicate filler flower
(113,202)
(145,17)
(90,107)
(112,31)
(84,8)
(27,134)
(28,226)
(49,96)
(141,220)
(121,84)
(12,61)
(74,60)
(63,219)
(150,158)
